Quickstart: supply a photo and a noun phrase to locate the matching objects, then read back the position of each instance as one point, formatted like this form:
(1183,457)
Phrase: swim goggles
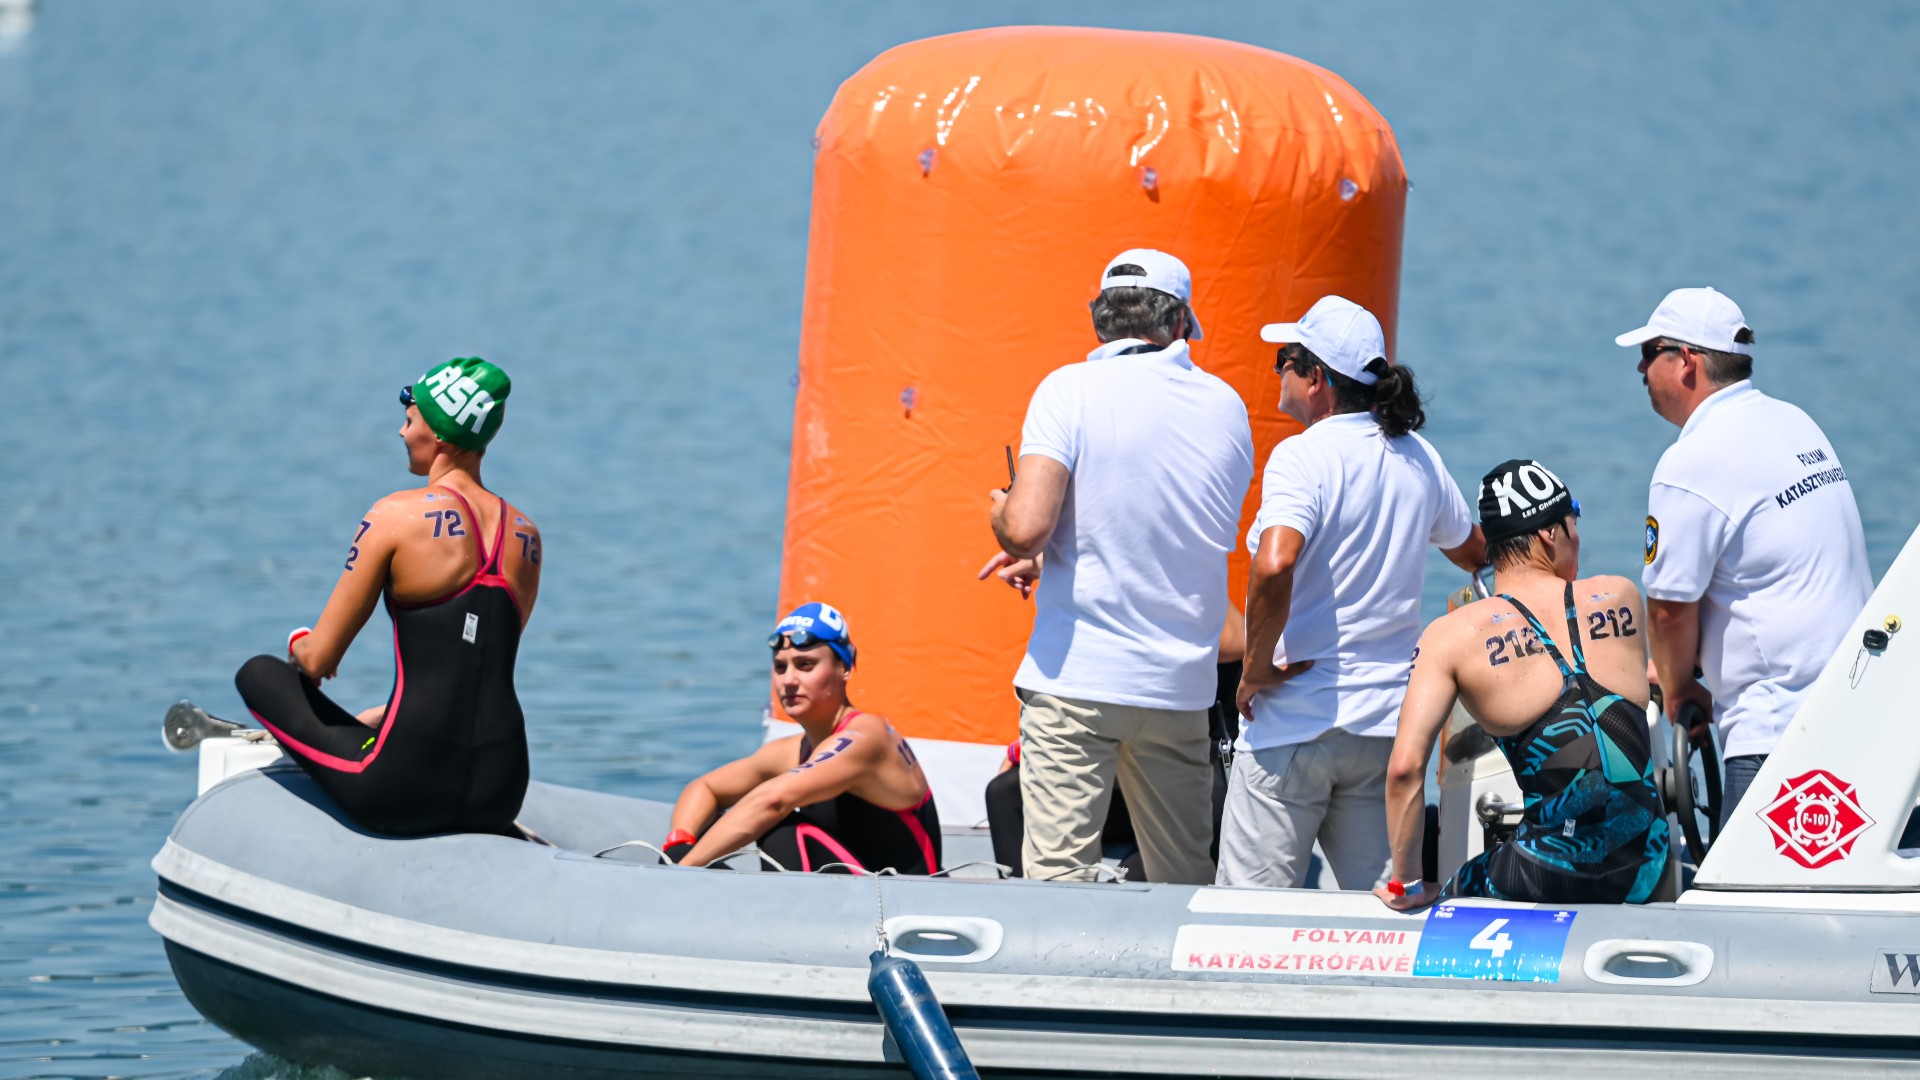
(406,395)
(802,639)
(807,639)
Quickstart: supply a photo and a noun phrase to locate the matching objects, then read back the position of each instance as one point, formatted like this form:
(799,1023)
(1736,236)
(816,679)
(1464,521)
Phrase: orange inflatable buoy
(968,192)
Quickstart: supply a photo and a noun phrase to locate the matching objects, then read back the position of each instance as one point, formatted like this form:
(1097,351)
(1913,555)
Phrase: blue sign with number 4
(1461,941)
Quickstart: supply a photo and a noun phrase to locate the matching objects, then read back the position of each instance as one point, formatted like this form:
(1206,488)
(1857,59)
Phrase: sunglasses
(406,395)
(799,639)
(1651,350)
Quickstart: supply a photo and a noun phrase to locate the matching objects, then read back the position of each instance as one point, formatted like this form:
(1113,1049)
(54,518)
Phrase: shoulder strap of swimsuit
(1573,632)
(1545,638)
(499,541)
(845,720)
(474,528)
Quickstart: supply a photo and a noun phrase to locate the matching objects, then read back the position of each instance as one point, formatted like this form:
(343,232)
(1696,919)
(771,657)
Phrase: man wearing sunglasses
(1755,560)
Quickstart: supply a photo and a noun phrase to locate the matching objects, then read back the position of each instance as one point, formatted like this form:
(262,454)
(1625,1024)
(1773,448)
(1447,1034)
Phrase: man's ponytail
(1396,400)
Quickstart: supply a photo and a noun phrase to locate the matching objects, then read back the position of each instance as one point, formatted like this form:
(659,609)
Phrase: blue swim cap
(815,624)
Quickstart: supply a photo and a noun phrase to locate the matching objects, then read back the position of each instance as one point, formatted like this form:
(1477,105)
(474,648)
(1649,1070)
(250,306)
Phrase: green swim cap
(464,401)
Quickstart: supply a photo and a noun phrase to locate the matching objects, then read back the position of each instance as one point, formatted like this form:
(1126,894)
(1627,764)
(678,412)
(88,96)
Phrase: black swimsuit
(451,755)
(848,829)
(1594,830)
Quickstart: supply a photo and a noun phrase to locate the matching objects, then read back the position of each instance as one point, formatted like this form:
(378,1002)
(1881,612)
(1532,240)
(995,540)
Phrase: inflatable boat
(1794,952)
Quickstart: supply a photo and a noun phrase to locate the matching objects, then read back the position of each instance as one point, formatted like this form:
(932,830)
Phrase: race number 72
(1495,943)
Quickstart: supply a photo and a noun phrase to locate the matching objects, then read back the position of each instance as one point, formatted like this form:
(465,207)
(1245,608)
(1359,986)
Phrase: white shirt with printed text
(1751,515)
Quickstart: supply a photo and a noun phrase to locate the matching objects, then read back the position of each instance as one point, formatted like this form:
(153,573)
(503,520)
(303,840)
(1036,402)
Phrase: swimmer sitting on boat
(847,795)
(459,569)
(1565,700)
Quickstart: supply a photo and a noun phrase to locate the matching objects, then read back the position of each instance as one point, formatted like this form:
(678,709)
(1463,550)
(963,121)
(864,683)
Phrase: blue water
(229,231)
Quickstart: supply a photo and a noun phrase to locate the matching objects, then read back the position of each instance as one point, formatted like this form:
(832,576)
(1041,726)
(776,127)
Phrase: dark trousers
(1736,776)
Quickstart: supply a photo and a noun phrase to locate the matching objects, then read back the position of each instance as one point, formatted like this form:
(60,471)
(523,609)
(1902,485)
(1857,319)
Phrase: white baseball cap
(1345,336)
(1700,317)
(1163,272)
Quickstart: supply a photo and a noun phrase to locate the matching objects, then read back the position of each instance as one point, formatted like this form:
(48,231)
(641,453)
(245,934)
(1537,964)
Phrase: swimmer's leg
(799,844)
(307,723)
(1006,824)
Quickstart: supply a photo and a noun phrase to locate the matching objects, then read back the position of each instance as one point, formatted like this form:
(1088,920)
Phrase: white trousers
(1280,800)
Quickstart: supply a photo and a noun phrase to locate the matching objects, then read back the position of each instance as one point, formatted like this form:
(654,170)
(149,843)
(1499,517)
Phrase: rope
(663,855)
(1003,869)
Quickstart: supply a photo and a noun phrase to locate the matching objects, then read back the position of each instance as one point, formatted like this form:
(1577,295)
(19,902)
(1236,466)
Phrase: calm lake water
(229,231)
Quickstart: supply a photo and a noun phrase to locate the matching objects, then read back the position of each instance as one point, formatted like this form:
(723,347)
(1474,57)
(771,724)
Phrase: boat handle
(945,939)
(1645,962)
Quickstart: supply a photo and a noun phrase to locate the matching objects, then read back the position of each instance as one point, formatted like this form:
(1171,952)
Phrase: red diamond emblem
(1815,819)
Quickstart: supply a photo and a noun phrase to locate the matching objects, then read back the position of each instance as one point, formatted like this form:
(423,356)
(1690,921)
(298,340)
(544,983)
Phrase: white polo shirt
(1750,514)
(1134,589)
(1368,505)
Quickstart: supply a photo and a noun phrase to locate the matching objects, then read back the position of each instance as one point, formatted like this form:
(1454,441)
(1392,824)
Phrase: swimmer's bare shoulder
(1448,636)
(1601,588)
(883,732)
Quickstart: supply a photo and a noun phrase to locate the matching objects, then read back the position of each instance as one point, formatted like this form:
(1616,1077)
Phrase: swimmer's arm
(523,541)
(706,796)
(836,766)
(369,560)
(1429,701)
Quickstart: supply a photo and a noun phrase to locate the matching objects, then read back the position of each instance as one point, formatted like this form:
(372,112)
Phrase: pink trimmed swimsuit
(849,830)
(452,753)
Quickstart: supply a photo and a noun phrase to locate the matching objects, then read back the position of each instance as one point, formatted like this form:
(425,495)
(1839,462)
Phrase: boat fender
(913,1017)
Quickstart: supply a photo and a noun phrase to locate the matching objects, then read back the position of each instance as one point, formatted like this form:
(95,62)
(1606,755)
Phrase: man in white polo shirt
(1755,561)
(1133,467)
(1347,509)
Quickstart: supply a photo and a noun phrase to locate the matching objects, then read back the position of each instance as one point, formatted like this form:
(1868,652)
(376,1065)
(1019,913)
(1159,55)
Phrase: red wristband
(679,836)
(296,636)
(1013,751)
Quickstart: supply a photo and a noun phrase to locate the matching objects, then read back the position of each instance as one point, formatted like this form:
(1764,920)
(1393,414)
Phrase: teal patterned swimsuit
(1594,830)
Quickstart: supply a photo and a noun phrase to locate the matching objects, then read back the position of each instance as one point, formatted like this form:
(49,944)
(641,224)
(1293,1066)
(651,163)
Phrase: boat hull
(480,956)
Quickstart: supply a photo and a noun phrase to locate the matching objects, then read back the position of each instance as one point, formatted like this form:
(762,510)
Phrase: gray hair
(1136,311)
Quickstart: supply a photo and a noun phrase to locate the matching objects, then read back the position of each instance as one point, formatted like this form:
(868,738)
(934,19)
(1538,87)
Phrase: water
(228,231)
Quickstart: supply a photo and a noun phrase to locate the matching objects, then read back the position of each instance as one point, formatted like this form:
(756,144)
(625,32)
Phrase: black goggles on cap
(406,395)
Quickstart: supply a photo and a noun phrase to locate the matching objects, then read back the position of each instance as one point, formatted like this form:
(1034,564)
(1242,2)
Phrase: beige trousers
(1070,751)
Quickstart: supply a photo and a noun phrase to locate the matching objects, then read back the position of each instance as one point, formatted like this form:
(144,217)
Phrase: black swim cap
(1520,496)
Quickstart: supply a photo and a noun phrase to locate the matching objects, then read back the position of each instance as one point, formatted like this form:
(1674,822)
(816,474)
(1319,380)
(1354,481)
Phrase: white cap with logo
(1345,336)
(1699,317)
(1163,272)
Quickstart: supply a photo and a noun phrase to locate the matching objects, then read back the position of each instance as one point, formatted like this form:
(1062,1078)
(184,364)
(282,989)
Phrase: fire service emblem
(1815,819)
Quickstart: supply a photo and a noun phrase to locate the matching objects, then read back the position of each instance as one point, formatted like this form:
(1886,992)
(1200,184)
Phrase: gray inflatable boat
(1794,953)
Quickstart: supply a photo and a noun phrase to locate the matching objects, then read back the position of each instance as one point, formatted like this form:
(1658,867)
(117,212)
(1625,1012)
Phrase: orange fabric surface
(968,191)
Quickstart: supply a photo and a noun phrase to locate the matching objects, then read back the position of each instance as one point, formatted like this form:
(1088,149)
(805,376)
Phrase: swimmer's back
(1505,676)
(433,532)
